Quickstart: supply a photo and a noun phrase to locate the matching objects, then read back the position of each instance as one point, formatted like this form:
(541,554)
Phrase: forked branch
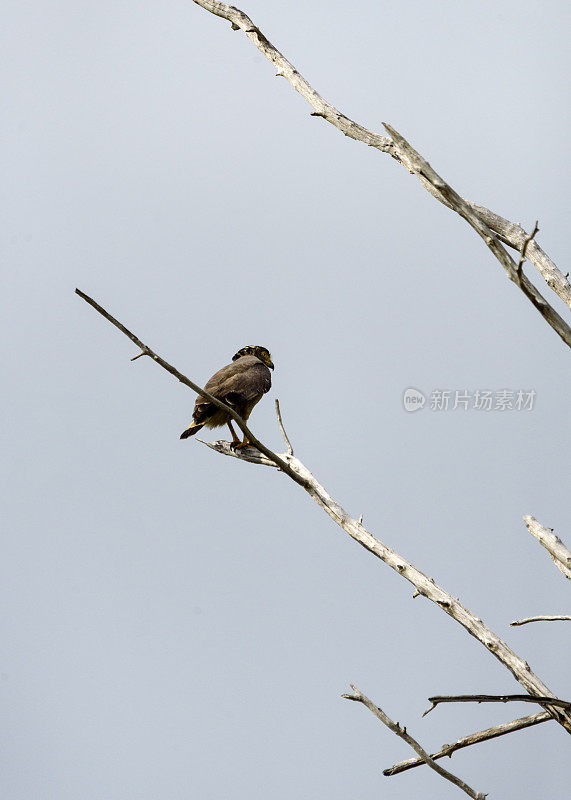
(493,228)
(428,177)
(471,739)
(403,734)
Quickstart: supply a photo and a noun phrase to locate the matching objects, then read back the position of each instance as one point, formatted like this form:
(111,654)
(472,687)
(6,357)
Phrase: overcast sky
(181,625)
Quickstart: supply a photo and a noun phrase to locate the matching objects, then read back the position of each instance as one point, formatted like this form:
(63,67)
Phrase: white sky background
(181,625)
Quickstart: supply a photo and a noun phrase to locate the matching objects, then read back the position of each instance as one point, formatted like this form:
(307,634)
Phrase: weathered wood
(509,233)
(424,585)
(559,553)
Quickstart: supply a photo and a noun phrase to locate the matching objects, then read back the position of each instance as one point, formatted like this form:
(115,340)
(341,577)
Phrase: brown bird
(240,385)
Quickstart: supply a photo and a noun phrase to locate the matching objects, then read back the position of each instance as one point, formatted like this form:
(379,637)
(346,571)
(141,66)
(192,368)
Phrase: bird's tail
(193,428)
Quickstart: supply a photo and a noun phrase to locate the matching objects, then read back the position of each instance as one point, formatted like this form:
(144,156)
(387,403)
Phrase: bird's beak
(271,365)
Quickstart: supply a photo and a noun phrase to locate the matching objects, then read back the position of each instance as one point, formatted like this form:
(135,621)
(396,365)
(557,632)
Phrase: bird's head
(255,350)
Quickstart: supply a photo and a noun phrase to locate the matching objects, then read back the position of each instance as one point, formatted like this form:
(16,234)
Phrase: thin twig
(403,733)
(495,698)
(510,233)
(472,738)
(282,429)
(559,553)
(295,469)
(556,618)
(527,240)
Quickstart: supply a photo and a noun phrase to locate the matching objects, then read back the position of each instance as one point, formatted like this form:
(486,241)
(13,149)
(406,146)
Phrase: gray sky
(180,625)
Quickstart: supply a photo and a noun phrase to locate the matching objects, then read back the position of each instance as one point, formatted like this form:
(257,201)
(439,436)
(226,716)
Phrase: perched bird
(240,385)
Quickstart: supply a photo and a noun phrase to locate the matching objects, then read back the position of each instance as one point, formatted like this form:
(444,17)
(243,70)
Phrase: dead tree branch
(294,468)
(494,698)
(560,555)
(403,733)
(417,164)
(557,618)
(472,738)
(484,221)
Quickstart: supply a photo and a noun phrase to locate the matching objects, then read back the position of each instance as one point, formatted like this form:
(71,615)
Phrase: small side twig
(282,429)
(527,240)
(472,738)
(496,698)
(560,555)
(359,697)
(553,618)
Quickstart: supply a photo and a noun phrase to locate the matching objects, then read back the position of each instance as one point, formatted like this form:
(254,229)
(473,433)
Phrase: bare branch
(495,698)
(294,468)
(282,429)
(560,555)
(472,738)
(509,232)
(402,732)
(557,618)
(286,70)
(426,174)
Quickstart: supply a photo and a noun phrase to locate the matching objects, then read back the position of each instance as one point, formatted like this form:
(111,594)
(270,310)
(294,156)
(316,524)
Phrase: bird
(240,384)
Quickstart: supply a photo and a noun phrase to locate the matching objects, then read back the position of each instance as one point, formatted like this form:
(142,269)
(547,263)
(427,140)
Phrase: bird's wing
(238,382)
(248,383)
